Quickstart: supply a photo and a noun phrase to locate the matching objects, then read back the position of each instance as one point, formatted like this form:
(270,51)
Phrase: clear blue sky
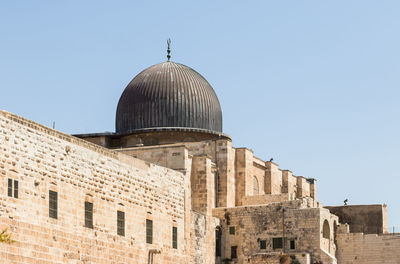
(314,84)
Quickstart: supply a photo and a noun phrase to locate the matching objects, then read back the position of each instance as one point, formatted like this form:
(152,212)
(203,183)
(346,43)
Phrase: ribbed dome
(168,95)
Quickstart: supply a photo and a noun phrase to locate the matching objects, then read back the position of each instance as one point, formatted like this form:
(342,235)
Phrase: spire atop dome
(169,50)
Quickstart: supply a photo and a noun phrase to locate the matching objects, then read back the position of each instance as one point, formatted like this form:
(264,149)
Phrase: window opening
(89,214)
(15,189)
(263,244)
(233,252)
(10,181)
(232,230)
(121,223)
(174,237)
(53,200)
(149,231)
(218,235)
(277,242)
(10,188)
(292,244)
(326,230)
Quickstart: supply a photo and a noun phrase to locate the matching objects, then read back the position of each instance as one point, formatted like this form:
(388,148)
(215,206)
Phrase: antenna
(54,124)
(169,50)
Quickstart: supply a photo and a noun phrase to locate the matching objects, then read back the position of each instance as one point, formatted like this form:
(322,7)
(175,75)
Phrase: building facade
(169,187)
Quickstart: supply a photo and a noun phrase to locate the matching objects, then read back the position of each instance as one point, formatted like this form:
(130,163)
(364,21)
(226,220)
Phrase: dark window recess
(15,189)
(149,231)
(231,230)
(53,204)
(233,252)
(292,244)
(10,188)
(277,242)
(174,237)
(88,215)
(218,235)
(10,193)
(263,244)
(121,223)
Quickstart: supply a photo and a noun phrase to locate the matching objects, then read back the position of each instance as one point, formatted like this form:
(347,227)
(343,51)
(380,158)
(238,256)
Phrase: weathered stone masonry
(42,159)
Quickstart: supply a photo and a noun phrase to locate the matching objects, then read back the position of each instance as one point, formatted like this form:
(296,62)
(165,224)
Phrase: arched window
(255,186)
(325,230)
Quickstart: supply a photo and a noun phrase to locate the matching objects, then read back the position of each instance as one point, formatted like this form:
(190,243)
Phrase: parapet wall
(367,219)
(42,159)
(359,248)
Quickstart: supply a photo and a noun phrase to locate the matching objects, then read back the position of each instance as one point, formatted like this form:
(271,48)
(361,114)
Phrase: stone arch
(256,188)
(326,232)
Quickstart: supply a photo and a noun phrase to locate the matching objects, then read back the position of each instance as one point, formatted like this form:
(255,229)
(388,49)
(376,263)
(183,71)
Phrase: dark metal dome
(168,95)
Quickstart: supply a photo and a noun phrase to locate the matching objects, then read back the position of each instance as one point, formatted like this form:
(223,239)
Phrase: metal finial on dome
(169,50)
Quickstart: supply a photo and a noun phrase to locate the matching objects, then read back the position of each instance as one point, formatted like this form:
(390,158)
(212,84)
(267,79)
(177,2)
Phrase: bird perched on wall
(345,201)
(271,159)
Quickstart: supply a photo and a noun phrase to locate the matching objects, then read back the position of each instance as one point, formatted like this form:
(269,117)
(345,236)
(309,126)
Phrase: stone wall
(199,170)
(367,219)
(42,159)
(298,223)
(203,237)
(238,173)
(203,185)
(359,248)
(303,187)
(265,199)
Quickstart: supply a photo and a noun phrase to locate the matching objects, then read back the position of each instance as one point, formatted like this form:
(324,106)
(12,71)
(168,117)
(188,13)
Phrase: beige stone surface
(357,248)
(299,220)
(42,159)
(197,186)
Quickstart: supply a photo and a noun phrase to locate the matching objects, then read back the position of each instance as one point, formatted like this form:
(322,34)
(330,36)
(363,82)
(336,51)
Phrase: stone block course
(42,159)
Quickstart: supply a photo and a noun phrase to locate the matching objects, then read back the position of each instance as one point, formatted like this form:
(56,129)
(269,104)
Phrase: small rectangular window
(88,214)
(121,223)
(292,244)
(231,230)
(53,204)
(277,242)
(174,237)
(149,231)
(15,189)
(263,244)
(233,252)
(10,192)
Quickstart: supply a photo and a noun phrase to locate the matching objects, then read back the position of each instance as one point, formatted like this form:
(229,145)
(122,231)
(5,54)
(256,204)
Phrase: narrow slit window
(174,237)
(10,192)
(121,223)
(232,230)
(89,214)
(218,235)
(149,231)
(53,204)
(15,189)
